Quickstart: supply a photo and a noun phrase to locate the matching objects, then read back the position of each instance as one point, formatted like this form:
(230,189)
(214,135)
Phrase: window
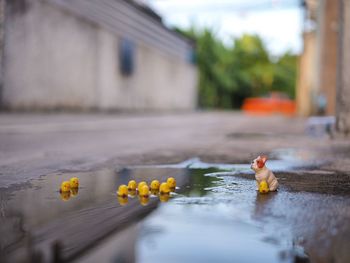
(126,56)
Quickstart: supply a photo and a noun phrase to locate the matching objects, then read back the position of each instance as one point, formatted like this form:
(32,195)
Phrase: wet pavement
(215,215)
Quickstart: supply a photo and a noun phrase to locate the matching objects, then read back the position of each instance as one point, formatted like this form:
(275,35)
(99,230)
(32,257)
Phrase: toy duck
(171,183)
(139,186)
(122,190)
(155,185)
(144,200)
(263,187)
(65,195)
(132,185)
(74,182)
(144,191)
(164,197)
(74,191)
(65,186)
(164,188)
(123,200)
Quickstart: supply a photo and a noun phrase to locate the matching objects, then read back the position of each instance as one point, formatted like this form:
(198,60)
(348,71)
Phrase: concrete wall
(328,53)
(50,58)
(55,59)
(160,81)
(306,76)
(343,89)
(2,25)
(318,62)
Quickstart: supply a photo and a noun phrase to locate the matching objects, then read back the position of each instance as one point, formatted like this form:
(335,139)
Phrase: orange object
(274,104)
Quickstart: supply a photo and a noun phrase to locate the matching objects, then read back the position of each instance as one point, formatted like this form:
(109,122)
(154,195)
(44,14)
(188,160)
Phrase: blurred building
(317,82)
(324,74)
(93,54)
(343,72)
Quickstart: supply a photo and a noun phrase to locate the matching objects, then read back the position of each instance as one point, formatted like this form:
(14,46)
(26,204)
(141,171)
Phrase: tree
(228,75)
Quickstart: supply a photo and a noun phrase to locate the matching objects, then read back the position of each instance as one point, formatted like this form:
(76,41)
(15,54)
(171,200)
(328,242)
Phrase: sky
(278,22)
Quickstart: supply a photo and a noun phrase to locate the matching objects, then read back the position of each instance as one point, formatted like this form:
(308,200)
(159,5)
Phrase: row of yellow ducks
(144,191)
(69,188)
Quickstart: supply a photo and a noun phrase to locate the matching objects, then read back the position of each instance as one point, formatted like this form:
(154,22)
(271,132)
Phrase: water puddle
(214,216)
(36,216)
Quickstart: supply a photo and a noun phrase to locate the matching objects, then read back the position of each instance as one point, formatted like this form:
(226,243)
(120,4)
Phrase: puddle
(35,216)
(213,217)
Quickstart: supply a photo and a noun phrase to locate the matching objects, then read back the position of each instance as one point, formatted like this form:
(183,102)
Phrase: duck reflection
(65,196)
(144,200)
(123,200)
(164,197)
(154,192)
(74,192)
(132,193)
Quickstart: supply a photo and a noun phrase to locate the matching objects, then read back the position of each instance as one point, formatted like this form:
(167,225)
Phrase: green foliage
(285,74)
(227,75)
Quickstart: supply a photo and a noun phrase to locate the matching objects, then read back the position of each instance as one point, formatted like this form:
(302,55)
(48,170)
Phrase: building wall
(343,89)
(328,53)
(306,76)
(318,63)
(49,58)
(159,82)
(55,59)
(2,20)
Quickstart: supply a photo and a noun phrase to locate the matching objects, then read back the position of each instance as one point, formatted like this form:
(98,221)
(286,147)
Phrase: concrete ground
(32,145)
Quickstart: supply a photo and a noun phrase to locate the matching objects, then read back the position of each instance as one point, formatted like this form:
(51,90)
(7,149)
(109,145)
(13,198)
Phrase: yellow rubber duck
(123,200)
(263,187)
(65,196)
(139,186)
(144,191)
(164,188)
(164,197)
(65,186)
(74,191)
(122,190)
(155,185)
(74,182)
(132,185)
(144,200)
(171,182)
